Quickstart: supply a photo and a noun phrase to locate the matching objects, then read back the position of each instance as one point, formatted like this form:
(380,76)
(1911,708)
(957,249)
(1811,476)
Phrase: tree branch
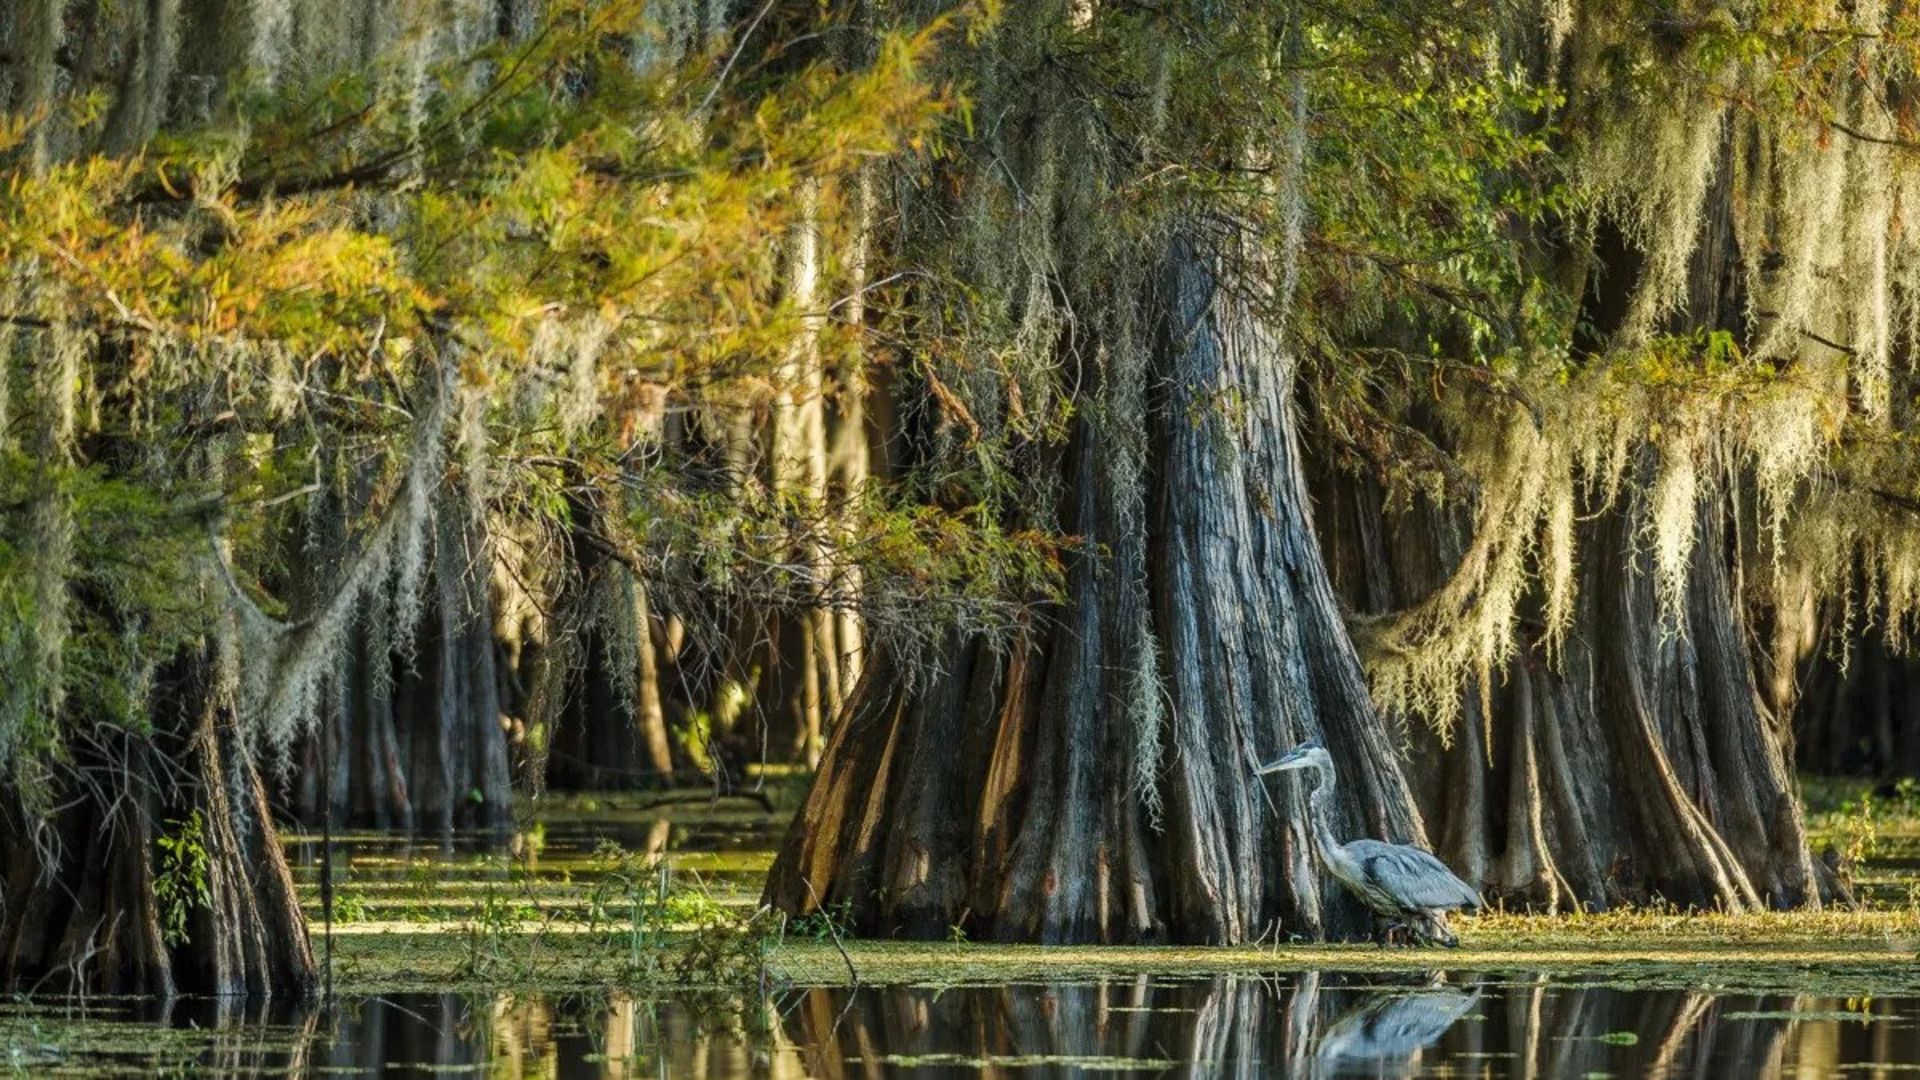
(1881,140)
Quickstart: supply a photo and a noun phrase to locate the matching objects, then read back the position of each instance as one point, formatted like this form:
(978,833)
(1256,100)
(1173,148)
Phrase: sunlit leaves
(584,226)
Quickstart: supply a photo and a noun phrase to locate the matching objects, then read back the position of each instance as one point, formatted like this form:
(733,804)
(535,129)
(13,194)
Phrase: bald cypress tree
(319,308)
(1593,386)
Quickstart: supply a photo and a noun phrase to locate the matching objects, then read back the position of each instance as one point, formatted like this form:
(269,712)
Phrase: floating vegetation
(1017,1061)
(1845,1016)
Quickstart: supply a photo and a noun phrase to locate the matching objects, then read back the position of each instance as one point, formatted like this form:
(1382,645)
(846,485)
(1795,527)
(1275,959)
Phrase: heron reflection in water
(1406,886)
(1391,1027)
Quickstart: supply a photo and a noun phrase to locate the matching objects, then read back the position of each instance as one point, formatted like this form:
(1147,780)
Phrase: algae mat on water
(1845,952)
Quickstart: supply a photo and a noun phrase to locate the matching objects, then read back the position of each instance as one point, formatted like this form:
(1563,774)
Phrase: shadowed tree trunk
(416,733)
(95,902)
(1002,792)
(1857,706)
(1642,763)
(1716,820)
(601,687)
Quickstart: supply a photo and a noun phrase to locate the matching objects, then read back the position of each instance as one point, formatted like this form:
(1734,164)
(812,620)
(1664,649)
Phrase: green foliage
(663,930)
(350,907)
(1862,821)
(924,570)
(831,921)
(252,329)
(181,879)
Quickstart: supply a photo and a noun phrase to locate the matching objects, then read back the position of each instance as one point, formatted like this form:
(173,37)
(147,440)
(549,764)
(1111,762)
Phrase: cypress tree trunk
(1255,641)
(1716,821)
(649,704)
(1004,792)
(94,903)
(1858,711)
(1705,766)
(850,455)
(1643,762)
(600,687)
(806,656)
(417,734)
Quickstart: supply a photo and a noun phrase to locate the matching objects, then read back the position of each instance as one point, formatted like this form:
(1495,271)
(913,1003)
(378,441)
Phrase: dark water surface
(1311,1024)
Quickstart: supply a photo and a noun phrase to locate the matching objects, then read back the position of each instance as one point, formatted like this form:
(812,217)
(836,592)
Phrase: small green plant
(1906,797)
(350,907)
(831,921)
(423,885)
(663,930)
(957,934)
(181,881)
(627,905)
(499,944)
(1859,830)
(728,949)
(487,956)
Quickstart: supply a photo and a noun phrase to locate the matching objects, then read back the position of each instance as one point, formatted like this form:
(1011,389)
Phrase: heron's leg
(1384,927)
(1433,928)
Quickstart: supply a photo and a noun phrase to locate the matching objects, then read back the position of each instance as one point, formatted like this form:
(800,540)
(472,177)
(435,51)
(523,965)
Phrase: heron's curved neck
(1320,811)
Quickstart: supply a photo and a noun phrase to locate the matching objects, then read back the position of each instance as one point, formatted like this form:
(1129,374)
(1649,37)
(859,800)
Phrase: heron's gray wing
(1412,876)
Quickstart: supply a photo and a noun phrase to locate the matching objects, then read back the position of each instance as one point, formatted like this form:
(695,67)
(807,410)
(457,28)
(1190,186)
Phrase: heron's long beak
(1272,766)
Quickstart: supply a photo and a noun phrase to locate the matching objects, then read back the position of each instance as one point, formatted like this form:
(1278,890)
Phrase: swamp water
(1295,1024)
(1040,1018)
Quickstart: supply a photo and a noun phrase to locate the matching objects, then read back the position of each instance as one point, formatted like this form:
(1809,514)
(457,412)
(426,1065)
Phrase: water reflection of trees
(1305,1025)
(1313,1025)
(593,1035)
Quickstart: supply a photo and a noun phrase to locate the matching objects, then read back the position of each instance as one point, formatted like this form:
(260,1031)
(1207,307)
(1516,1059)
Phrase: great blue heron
(1403,884)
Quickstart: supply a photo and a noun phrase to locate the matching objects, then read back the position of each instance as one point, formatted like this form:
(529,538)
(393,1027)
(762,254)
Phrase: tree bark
(609,681)
(1642,763)
(1258,656)
(90,893)
(1002,792)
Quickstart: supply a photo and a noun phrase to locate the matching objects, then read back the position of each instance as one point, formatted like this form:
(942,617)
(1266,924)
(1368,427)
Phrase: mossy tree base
(1003,794)
(160,871)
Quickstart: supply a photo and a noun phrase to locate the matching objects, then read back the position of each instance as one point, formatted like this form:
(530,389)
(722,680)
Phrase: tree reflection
(1304,1024)
(1312,1024)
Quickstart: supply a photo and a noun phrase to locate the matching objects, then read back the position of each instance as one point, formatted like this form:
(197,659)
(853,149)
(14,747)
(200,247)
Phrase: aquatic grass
(1885,924)
(110,1036)
(1842,953)
(1838,807)
(628,921)
(566,916)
